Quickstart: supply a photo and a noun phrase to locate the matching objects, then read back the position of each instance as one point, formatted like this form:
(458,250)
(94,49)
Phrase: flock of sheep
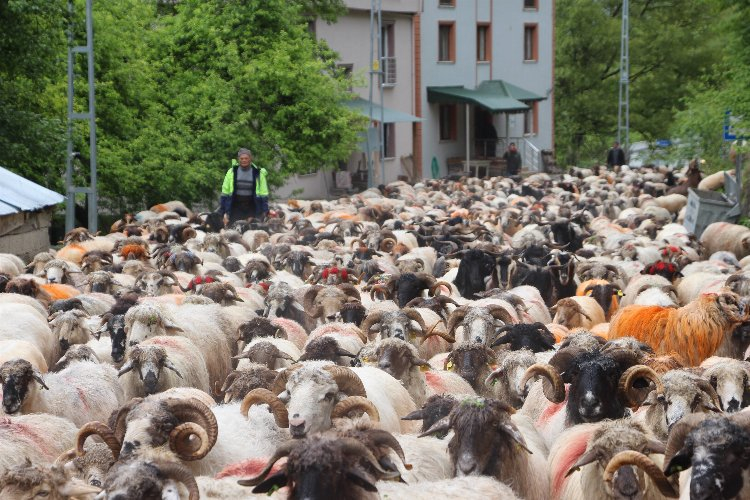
(534,338)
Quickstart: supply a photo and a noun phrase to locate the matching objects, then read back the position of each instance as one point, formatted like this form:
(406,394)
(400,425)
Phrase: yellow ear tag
(449,366)
(619,293)
(365,360)
(589,293)
(424,368)
(412,335)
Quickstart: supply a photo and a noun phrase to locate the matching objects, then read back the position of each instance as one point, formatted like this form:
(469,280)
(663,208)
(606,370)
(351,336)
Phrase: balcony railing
(389,71)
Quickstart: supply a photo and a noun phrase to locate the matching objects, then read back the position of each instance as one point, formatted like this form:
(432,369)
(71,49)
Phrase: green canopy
(389,115)
(493,95)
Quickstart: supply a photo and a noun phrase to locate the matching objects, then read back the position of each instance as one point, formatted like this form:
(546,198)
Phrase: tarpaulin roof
(18,194)
(493,95)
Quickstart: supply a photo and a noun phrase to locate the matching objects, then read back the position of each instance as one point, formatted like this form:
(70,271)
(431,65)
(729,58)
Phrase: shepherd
(244,192)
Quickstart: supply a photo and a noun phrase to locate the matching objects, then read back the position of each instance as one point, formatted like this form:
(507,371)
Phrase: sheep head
(144,321)
(315,395)
(137,479)
(324,302)
(716,448)
(397,357)
(535,337)
(220,293)
(76,354)
(406,324)
(27,482)
(280,300)
(473,362)
(57,271)
(436,407)
(148,361)
(17,377)
(156,283)
(473,450)
(70,328)
(264,353)
(142,425)
(326,348)
(731,380)
(240,382)
(479,323)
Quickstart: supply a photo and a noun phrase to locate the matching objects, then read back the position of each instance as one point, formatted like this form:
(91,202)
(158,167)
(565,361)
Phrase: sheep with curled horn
(479,324)
(408,286)
(240,382)
(438,304)
(157,283)
(603,384)
(29,481)
(221,293)
(710,454)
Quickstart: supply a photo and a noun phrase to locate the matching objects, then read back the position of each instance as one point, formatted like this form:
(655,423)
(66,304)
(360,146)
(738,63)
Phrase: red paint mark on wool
(249,468)
(435,381)
(565,460)
(82,397)
(30,433)
(167,342)
(552,409)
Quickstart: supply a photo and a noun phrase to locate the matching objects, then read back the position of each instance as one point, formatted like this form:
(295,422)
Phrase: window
(448,122)
(531,120)
(388,52)
(389,140)
(484,42)
(446,42)
(531,4)
(530,42)
(447,3)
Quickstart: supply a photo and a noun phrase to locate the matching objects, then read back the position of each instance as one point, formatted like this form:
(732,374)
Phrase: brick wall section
(417,130)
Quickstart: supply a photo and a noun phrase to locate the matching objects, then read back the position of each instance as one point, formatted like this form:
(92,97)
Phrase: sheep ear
(172,328)
(169,365)
(361,479)
(680,462)
(76,487)
(512,431)
(590,456)
(415,415)
(272,483)
(125,368)
(38,377)
(442,425)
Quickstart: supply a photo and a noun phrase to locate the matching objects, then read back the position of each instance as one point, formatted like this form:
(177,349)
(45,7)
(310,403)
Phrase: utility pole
(623,106)
(376,58)
(71,189)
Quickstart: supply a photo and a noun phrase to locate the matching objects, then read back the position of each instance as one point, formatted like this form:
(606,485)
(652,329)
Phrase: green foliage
(179,88)
(672,45)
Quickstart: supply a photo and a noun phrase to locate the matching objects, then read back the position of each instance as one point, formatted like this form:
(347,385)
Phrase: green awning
(389,115)
(493,95)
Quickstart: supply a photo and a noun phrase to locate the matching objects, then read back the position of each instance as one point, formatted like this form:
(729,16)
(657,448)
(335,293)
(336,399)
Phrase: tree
(672,45)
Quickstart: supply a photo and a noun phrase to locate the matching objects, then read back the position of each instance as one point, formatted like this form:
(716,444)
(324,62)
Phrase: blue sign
(663,143)
(730,133)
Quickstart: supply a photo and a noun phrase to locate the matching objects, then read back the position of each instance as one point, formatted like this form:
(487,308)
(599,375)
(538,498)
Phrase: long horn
(265,396)
(281,452)
(679,433)
(192,411)
(117,422)
(437,333)
(179,472)
(349,290)
(380,289)
(103,431)
(347,381)
(345,406)
(351,446)
(631,457)
(499,312)
(456,317)
(632,397)
(370,320)
(309,300)
(706,387)
(65,457)
(414,315)
(279,384)
(379,437)
(553,387)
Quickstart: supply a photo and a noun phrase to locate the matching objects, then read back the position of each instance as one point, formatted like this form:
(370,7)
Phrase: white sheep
(275,353)
(11,349)
(38,437)
(726,236)
(82,392)
(160,363)
(205,325)
(23,322)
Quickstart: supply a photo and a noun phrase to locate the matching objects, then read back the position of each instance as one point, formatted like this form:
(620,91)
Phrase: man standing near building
(512,160)
(615,156)
(244,192)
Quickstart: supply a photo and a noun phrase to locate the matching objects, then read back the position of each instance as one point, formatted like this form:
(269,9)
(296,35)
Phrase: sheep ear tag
(424,368)
(514,434)
(449,366)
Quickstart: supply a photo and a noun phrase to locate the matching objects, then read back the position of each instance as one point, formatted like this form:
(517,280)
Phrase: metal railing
(388,66)
(495,148)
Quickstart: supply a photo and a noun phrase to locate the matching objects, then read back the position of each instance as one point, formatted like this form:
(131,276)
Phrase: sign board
(663,143)
(730,133)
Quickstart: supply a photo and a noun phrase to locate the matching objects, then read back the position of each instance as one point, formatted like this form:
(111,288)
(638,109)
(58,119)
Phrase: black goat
(476,269)
(535,337)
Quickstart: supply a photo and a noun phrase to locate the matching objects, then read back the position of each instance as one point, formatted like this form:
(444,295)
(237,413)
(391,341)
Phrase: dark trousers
(243,207)
(261,205)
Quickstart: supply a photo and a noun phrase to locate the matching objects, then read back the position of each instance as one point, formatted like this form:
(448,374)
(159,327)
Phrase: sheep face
(510,372)
(137,479)
(256,271)
(27,482)
(473,362)
(484,434)
(149,361)
(397,325)
(93,465)
(327,349)
(298,263)
(70,328)
(115,326)
(397,357)
(76,353)
(55,271)
(279,300)
(310,395)
(717,451)
(100,281)
(479,326)
(148,425)
(18,377)
(594,385)
(682,396)
(154,284)
(145,321)
(326,303)
(215,243)
(474,273)
(732,384)
(535,337)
